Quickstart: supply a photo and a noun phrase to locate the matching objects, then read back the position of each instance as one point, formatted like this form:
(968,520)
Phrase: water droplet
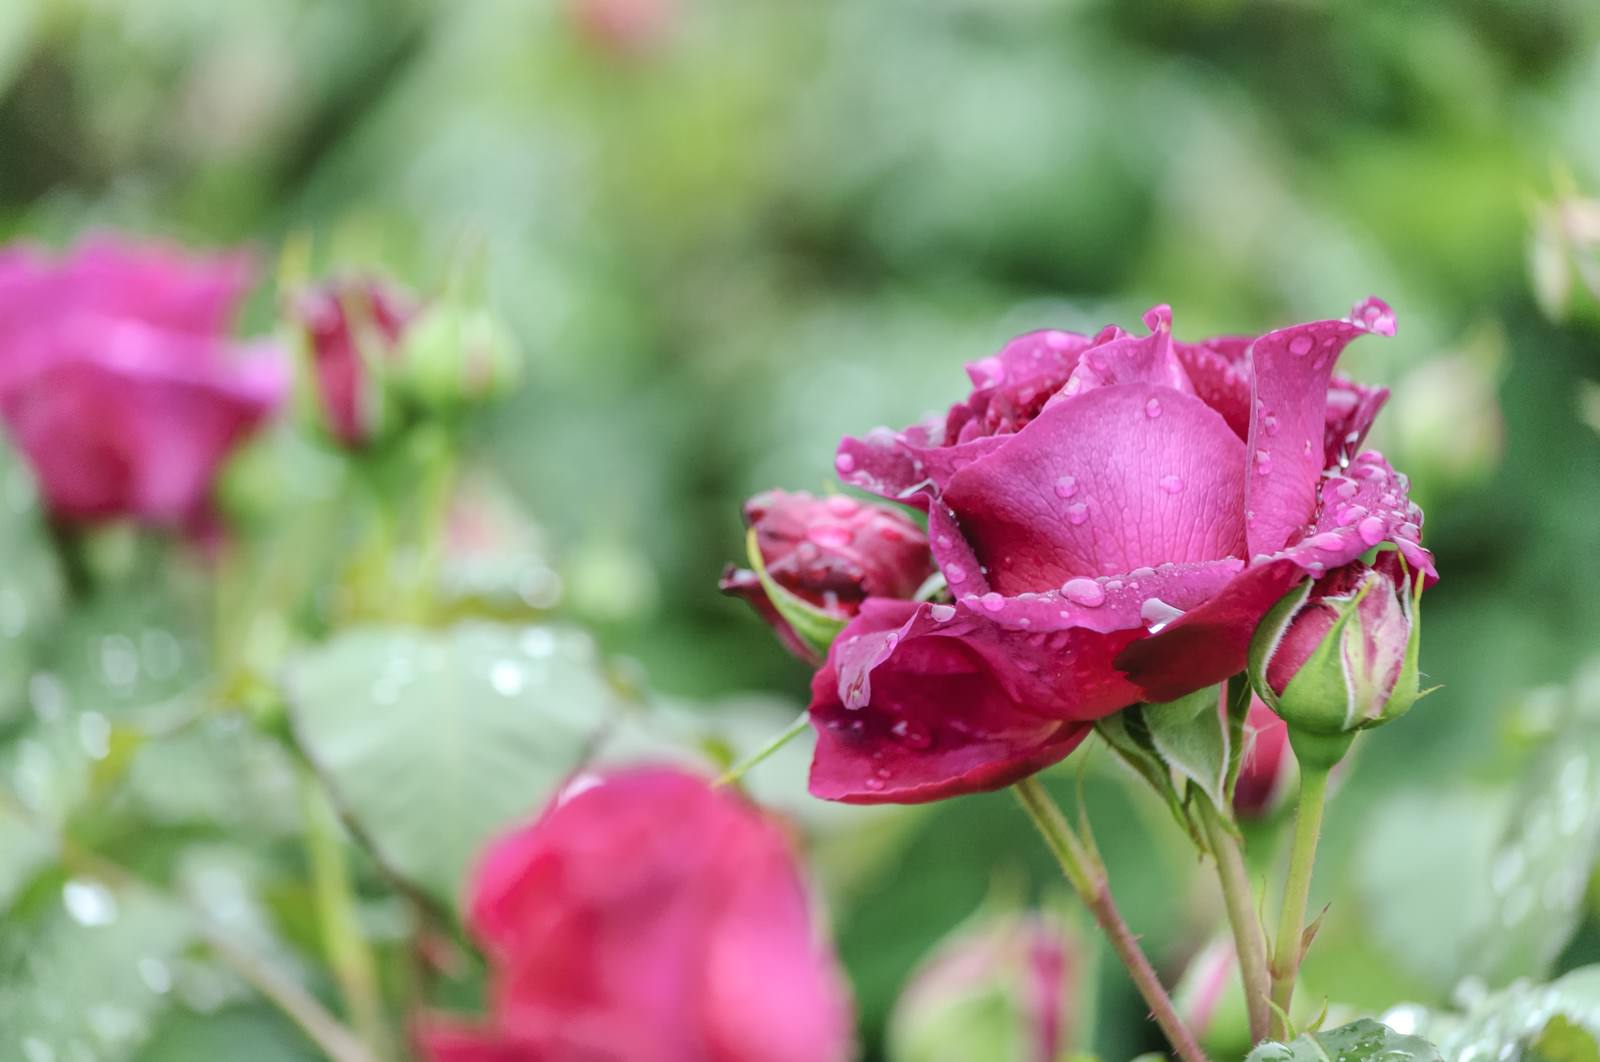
(537,642)
(945,541)
(119,661)
(1077,513)
(1114,584)
(1057,340)
(1328,541)
(1172,484)
(1270,423)
(89,902)
(1152,408)
(1346,489)
(507,678)
(1300,346)
(1085,592)
(844,463)
(992,601)
(94,734)
(829,536)
(873,783)
(840,505)
(1249,518)
(942,613)
(1263,462)
(1307,449)
(1066,486)
(1371,530)
(1157,613)
(155,975)
(954,572)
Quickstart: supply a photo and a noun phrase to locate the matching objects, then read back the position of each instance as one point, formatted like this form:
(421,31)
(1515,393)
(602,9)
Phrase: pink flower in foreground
(351,325)
(647,917)
(118,380)
(1114,515)
(832,553)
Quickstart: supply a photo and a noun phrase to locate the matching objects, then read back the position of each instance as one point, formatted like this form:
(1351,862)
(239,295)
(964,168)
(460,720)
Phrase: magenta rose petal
(923,701)
(1220,376)
(1364,507)
(1118,478)
(1352,408)
(1127,359)
(1010,388)
(1142,598)
(1290,372)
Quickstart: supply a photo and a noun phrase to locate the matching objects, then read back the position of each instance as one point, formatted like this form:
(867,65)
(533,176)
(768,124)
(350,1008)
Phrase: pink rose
(1114,516)
(119,382)
(648,917)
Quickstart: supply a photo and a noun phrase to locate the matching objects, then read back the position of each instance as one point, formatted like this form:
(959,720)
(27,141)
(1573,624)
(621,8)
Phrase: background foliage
(723,246)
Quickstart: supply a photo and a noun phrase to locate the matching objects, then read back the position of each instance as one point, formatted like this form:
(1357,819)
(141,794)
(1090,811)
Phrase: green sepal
(1191,736)
(811,624)
(1268,632)
(1316,750)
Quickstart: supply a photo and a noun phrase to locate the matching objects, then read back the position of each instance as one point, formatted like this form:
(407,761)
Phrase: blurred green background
(729,231)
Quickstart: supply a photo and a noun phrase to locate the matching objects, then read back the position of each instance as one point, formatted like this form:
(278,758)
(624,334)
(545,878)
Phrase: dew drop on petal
(1085,592)
(1152,408)
(829,537)
(954,572)
(1300,346)
(844,463)
(1328,540)
(1263,462)
(1066,486)
(992,601)
(874,783)
(1270,422)
(1077,514)
(942,613)
(912,735)
(1371,530)
(1172,484)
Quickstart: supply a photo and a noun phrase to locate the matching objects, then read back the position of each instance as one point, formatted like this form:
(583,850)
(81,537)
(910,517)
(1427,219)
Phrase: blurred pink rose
(118,380)
(623,27)
(648,917)
(1267,765)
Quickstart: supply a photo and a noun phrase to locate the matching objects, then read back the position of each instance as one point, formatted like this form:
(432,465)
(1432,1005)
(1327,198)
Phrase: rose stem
(1249,941)
(793,730)
(1296,890)
(1084,871)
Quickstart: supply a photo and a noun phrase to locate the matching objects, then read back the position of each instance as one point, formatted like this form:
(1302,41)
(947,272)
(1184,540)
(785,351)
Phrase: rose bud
(824,557)
(455,356)
(351,330)
(650,917)
(1004,989)
(120,383)
(1267,767)
(1339,654)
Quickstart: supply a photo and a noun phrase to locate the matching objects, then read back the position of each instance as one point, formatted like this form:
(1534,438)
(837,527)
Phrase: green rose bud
(456,356)
(1339,654)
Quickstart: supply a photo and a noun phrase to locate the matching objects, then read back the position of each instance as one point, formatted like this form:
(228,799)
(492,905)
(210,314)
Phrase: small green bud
(456,356)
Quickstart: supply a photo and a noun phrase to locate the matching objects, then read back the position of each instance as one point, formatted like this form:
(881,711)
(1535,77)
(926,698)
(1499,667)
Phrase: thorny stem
(1249,941)
(1296,891)
(1088,878)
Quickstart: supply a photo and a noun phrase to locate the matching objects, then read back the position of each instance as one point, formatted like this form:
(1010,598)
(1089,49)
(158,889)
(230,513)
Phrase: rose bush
(648,917)
(1114,515)
(119,380)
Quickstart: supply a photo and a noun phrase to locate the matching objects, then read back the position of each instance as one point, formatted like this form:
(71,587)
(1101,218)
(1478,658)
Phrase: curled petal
(1290,372)
(1010,388)
(1220,375)
(1352,408)
(918,702)
(1129,359)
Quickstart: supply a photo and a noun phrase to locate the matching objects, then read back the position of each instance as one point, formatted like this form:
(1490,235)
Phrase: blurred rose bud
(1267,767)
(623,27)
(832,554)
(1210,1000)
(1339,655)
(1004,988)
(350,329)
(120,382)
(647,916)
(455,356)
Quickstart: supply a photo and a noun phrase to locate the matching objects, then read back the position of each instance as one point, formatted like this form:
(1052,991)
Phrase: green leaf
(1360,1041)
(87,970)
(434,741)
(1520,1016)
(1129,738)
(1191,736)
(1562,1041)
(815,627)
